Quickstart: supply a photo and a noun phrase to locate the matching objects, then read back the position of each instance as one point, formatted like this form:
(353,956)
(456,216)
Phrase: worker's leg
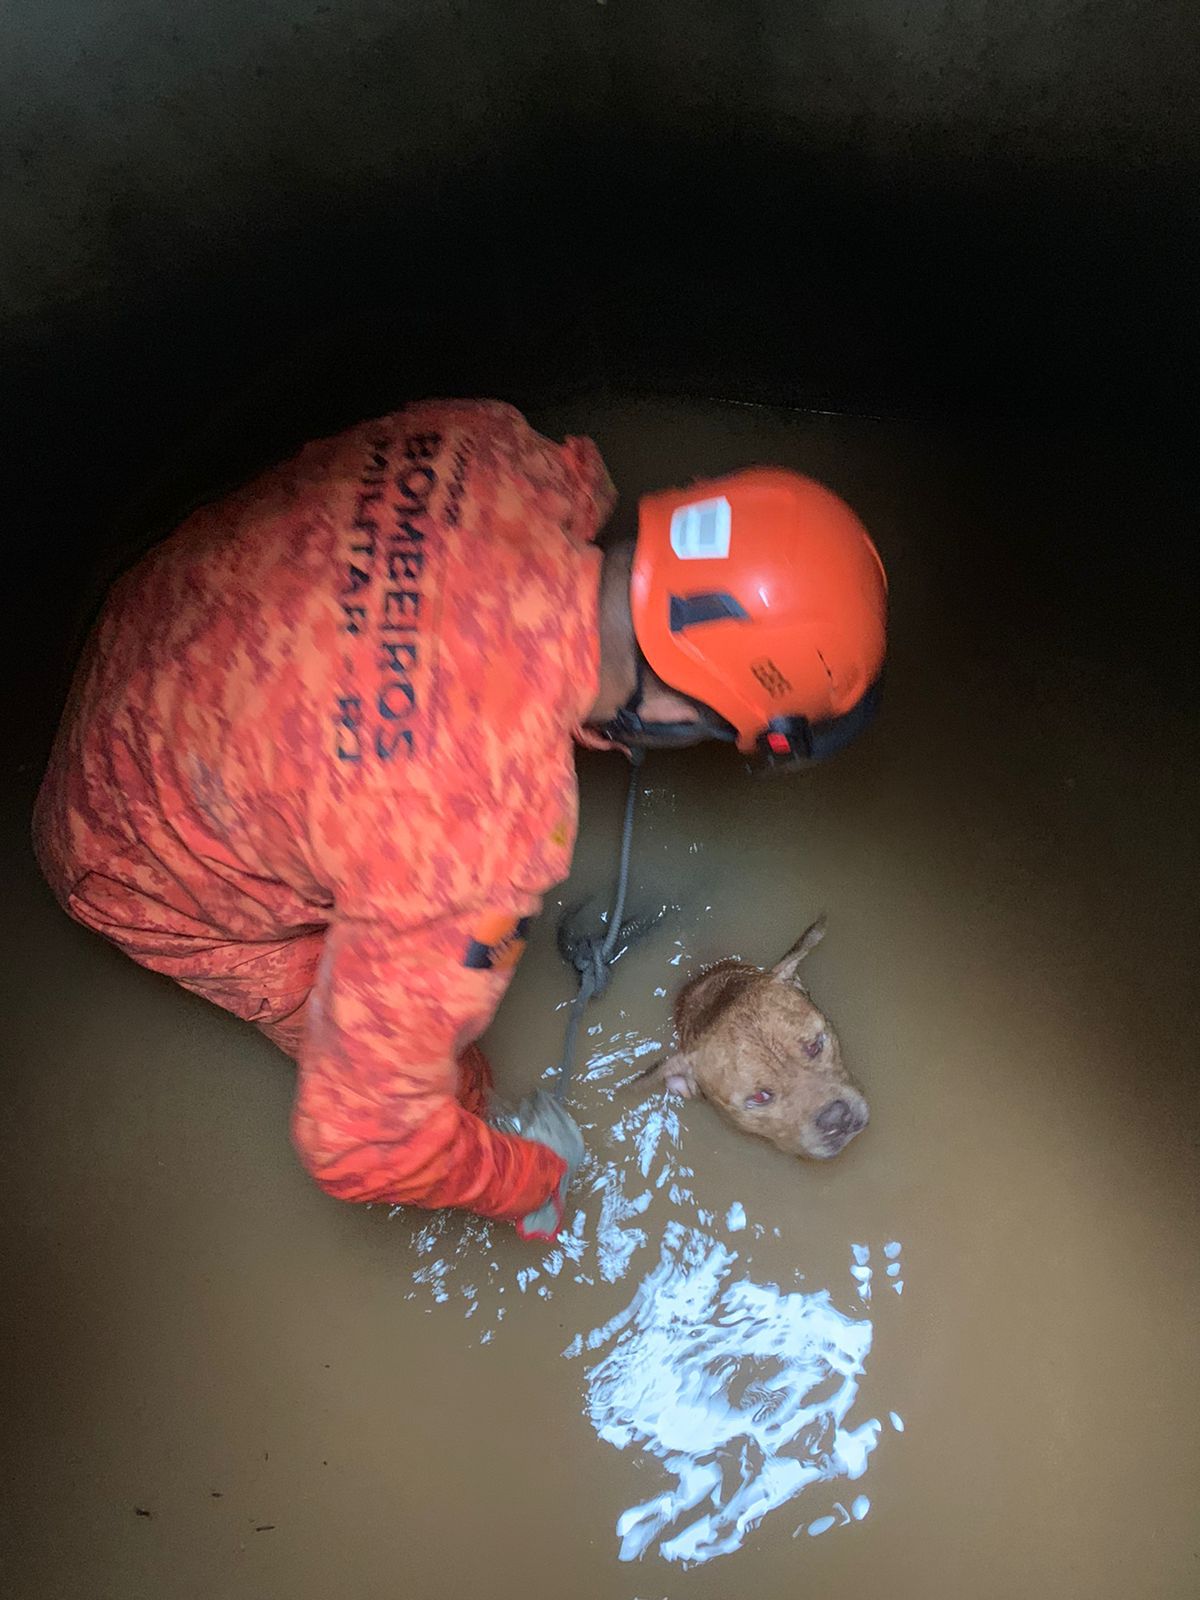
(265,981)
(268,983)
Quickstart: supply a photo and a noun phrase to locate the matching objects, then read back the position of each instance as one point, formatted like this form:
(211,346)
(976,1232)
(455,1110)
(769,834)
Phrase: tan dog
(753,1043)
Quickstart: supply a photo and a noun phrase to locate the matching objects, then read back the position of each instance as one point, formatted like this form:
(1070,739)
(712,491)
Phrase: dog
(754,1045)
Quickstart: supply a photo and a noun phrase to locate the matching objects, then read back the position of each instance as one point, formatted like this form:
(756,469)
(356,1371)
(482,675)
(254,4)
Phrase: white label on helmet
(700,532)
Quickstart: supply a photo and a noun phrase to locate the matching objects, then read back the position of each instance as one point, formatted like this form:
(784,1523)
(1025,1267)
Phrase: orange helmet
(761,596)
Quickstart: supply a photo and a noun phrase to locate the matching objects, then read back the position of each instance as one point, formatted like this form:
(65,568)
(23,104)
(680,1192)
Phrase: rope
(593,956)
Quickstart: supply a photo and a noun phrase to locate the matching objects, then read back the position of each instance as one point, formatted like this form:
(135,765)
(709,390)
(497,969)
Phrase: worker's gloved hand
(541,1118)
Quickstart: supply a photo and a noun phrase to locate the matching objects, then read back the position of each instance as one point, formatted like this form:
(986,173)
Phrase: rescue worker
(316,764)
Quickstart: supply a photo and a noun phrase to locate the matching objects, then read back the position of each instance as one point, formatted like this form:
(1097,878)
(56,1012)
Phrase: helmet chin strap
(629,722)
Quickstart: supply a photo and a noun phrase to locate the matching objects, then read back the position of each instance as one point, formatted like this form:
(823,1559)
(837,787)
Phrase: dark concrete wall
(871,201)
(959,205)
(194,188)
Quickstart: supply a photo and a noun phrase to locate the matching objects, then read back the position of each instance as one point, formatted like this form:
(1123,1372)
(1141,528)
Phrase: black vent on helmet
(689,611)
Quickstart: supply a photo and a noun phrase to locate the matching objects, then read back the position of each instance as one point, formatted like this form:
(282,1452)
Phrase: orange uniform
(317,766)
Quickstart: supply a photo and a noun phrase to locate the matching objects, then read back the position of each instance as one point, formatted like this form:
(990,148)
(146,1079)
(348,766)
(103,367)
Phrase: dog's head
(754,1044)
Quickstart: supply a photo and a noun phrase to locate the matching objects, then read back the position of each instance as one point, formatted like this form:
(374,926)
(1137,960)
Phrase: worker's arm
(376,1114)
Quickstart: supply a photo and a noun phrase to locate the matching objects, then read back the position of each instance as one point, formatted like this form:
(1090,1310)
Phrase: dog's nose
(839,1121)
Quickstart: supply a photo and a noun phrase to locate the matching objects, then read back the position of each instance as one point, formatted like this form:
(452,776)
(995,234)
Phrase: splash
(740,1391)
(737,1394)
(638,1157)
(859,1507)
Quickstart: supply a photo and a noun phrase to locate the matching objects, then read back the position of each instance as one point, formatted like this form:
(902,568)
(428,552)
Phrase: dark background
(288,215)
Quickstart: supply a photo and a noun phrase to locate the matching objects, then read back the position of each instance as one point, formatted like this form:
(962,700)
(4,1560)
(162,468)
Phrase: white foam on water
(633,1157)
(740,1391)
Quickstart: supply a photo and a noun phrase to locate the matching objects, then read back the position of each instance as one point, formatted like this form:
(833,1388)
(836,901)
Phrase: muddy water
(958,1360)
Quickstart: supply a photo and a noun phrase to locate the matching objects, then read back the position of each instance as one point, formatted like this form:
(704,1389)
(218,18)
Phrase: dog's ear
(675,1073)
(785,970)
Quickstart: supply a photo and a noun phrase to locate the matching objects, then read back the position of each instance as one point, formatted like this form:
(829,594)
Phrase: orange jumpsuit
(317,766)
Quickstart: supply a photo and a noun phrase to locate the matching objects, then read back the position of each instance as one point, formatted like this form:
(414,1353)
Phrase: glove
(541,1118)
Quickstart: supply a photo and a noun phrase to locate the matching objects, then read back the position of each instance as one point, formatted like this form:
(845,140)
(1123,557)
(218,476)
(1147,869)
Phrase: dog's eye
(813,1047)
(760,1097)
